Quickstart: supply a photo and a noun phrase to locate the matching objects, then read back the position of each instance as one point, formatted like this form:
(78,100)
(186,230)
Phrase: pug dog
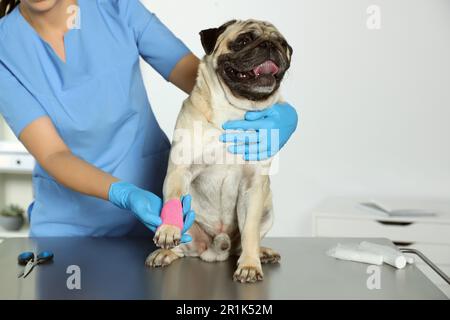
(242,70)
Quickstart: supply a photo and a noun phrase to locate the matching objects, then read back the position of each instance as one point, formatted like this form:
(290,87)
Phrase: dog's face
(250,57)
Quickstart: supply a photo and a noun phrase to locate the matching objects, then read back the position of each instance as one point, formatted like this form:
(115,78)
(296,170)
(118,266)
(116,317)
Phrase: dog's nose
(266,44)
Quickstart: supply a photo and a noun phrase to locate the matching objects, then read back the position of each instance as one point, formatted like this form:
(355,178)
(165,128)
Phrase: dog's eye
(245,41)
(241,42)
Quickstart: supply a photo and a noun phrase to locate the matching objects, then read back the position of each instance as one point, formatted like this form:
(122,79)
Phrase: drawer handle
(403,244)
(395,223)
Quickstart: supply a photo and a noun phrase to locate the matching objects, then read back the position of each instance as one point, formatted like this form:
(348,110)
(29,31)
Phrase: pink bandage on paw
(172,213)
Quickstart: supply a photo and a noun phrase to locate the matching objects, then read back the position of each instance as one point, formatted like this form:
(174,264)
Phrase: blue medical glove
(147,206)
(188,217)
(263,133)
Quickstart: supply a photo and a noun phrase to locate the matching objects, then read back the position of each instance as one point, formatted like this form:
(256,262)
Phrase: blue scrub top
(97,102)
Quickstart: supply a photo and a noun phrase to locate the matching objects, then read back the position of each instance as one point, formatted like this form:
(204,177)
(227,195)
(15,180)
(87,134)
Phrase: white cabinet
(22,233)
(14,158)
(342,217)
(16,166)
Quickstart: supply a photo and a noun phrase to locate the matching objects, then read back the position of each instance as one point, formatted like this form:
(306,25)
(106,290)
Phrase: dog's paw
(268,255)
(167,236)
(248,271)
(160,258)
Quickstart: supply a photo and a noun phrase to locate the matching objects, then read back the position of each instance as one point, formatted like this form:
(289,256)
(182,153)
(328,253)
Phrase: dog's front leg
(176,185)
(250,210)
(177,182)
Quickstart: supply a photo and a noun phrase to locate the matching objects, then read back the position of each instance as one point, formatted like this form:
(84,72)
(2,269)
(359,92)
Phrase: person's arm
(43,141)
(184,75)
(159,46)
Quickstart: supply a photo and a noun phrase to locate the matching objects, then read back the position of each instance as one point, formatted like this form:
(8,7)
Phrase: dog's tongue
(268,67)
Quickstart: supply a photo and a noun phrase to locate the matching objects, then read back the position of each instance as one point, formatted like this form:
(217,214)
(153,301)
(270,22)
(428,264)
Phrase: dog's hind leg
(164,257)
(161,258)
(268,255)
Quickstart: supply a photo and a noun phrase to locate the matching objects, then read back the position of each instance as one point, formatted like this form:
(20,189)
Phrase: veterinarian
(72,91)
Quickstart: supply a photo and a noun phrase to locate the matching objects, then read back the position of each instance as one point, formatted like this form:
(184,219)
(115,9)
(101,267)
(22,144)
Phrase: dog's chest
(208,149)
(215,193)
(218,174)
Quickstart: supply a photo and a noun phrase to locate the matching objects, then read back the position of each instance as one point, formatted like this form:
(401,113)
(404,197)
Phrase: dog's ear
(209,36)
(291,51)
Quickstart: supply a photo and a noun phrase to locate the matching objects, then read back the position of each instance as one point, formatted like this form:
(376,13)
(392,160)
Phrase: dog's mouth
(267,69)
(254,73)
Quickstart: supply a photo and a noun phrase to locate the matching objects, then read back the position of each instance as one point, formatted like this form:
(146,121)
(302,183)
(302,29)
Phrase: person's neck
(51,21)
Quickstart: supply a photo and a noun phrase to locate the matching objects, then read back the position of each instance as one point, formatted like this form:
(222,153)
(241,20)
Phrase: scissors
(28,260)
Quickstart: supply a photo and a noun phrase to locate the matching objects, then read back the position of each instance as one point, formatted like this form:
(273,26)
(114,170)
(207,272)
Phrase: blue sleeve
(17,104)
(156,43)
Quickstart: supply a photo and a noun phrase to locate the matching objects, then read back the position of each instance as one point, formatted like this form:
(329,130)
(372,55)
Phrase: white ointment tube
(354,253)
(390,255)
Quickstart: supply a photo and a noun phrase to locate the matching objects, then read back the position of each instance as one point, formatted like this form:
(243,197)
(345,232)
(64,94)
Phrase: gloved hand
(147,206)
(264,132)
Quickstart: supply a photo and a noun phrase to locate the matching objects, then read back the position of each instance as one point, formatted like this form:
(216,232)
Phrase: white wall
(374,105)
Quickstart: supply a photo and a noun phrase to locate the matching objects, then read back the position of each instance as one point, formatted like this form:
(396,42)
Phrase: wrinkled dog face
(251,57)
